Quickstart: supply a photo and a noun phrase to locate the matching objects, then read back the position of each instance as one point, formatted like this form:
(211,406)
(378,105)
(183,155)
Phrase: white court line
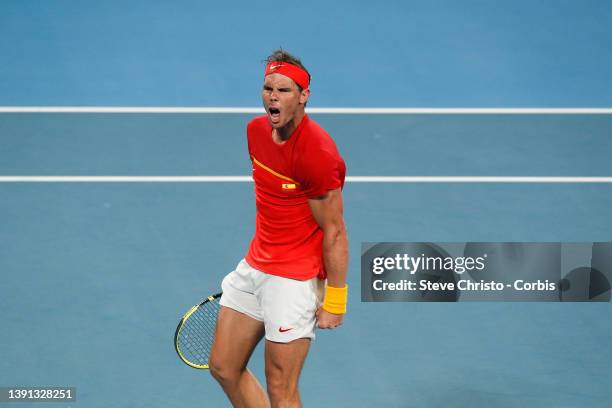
(348,111)
(356,179)
(349,179)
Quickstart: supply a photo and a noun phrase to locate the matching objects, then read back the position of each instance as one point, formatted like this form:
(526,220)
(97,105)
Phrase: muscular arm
(328,212)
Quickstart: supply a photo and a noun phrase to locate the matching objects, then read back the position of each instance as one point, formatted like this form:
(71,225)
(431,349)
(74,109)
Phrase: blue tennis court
(95,275)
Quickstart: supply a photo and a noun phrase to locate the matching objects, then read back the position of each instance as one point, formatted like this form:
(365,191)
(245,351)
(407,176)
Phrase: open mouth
(274,114)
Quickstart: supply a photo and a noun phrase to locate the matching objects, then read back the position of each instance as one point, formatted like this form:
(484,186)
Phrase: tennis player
(293,276)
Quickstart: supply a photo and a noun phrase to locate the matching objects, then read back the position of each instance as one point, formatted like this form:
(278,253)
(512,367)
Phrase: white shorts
(286,306)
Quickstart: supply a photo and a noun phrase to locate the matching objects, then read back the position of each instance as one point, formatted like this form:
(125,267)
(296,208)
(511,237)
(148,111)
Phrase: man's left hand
(326,320)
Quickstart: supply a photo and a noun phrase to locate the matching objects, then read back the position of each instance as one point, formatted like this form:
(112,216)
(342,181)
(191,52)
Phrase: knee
(222,372)
(280,387)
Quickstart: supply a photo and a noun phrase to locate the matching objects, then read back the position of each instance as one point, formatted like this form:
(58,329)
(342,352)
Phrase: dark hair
(281,55)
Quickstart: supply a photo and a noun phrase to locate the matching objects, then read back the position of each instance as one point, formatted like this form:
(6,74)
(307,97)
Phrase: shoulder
(258,124)
(319,164)
(316,144)
(316,141)
(257,128)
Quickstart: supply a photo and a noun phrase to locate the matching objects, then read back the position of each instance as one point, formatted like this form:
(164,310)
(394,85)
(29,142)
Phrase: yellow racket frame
(179,328)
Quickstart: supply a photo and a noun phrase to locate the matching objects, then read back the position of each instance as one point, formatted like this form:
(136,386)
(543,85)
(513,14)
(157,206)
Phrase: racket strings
(198,336)
(197,333)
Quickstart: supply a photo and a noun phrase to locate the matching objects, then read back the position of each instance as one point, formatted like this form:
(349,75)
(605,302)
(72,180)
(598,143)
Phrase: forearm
(335,255)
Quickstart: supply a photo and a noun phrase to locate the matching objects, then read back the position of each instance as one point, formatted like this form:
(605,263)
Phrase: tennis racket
(195,332)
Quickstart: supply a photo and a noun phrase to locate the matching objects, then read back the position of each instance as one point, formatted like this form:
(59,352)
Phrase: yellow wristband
(335,299)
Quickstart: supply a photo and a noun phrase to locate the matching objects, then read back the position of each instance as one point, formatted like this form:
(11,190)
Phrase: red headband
(299,75)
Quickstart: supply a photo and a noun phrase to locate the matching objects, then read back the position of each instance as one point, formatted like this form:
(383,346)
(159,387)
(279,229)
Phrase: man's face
(282,99)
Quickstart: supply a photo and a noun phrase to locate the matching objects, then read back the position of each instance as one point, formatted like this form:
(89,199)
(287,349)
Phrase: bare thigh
(284,362)
(236,336)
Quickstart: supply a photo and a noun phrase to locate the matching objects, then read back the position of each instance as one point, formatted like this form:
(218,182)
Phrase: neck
(284,133)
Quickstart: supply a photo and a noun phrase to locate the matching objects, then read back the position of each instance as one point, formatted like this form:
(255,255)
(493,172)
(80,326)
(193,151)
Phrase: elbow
(336,232)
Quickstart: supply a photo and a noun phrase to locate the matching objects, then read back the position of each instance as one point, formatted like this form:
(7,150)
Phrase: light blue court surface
(440,53)
(96,276)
